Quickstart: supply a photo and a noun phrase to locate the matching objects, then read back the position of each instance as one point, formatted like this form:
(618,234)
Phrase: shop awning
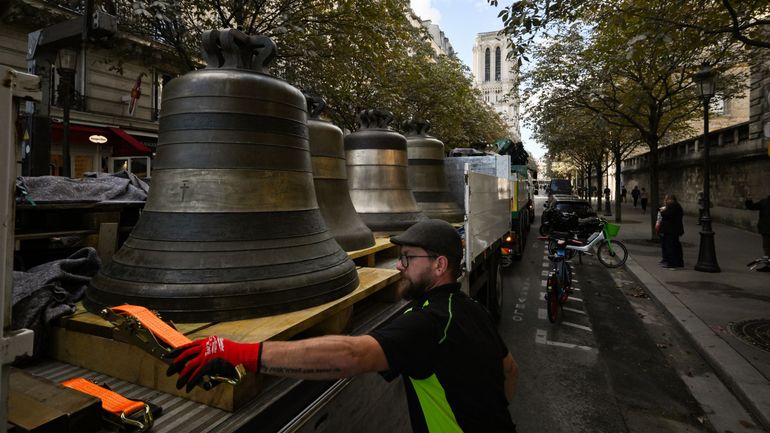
(130,140)
(123,143)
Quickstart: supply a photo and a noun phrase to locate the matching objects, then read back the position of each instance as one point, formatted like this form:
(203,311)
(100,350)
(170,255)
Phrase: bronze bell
(231,228)
(330,179)
(379,185)
(426,173)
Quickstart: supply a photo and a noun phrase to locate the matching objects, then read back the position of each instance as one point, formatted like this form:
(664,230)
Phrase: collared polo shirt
(450,355)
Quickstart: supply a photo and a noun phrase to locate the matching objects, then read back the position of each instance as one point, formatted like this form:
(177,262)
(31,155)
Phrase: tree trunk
(588,189)
(617,185)
(599,188)
(654,202)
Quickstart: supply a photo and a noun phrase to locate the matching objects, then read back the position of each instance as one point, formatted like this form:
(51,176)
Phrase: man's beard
(411,290)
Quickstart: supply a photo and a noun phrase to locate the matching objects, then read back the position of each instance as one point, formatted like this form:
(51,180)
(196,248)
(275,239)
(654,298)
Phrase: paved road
(614,364)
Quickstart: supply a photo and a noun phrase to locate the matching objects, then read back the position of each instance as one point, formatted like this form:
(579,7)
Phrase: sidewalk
(706,304)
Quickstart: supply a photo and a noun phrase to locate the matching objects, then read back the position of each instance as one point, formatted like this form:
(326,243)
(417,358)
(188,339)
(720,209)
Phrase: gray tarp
(51,290)
(121,186)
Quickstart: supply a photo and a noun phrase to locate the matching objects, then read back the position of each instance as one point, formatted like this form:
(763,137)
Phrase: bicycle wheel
(552,298)
(612,258)
(544,230)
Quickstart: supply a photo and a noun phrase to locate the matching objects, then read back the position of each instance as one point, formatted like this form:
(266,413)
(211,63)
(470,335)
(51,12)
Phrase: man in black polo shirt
(459,375)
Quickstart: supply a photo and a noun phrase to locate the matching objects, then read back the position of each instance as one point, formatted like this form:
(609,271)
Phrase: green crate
(611,230)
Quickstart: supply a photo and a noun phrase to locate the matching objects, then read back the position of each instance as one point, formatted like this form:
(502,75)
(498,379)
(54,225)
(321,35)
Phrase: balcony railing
(727,142)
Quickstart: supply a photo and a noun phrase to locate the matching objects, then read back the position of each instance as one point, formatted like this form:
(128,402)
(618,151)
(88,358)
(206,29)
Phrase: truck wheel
(493,297)
(521,239)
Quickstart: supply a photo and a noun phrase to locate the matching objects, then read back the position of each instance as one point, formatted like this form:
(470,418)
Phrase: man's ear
(442,264)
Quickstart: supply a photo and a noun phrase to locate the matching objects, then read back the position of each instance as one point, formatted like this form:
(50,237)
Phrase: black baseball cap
(434,235)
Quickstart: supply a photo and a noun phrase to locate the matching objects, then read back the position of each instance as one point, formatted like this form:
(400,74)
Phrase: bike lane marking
(575,325)
(541,337)
(573,310)
(521,304)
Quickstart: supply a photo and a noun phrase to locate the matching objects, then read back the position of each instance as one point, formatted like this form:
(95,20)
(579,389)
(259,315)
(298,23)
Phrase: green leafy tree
(356,54)
(746,21)
(632,72)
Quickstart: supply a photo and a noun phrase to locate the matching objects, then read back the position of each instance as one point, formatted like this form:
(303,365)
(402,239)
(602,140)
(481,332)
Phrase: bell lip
(241,313)
(238,306)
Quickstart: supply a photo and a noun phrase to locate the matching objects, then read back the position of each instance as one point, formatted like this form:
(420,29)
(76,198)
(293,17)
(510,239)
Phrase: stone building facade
(116,100)
(497,77)
(739,154)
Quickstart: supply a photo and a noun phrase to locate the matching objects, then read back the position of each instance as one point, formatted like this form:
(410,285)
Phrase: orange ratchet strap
(141,327)
(113,402)
(152,322)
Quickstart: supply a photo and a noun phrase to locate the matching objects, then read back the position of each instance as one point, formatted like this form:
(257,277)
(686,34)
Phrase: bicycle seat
(561,235)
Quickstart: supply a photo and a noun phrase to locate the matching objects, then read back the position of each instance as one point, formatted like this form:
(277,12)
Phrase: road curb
(745,381)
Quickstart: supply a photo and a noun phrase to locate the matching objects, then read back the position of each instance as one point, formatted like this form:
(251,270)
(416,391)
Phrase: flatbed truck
(361,403)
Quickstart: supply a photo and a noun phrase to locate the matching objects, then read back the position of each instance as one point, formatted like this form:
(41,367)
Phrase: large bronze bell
(379,185)
(426,173)
(231,228)
(331,181)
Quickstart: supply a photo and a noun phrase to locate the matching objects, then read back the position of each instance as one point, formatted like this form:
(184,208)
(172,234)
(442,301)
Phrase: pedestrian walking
(671,228)
(458,373)
(635,194)
(763,225)
(623,193)
(701,206)
(643,200)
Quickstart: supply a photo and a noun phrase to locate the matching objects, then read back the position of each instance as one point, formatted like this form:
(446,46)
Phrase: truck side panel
(488,220)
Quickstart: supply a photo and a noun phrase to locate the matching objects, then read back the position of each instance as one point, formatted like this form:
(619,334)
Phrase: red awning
(123,144)
(133,142)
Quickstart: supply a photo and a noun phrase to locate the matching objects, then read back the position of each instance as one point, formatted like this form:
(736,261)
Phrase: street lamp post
(705,81)
(65,66)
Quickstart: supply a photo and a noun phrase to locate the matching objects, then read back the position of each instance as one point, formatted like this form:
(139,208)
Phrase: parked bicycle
(559,282)
(611,252)
(761,264)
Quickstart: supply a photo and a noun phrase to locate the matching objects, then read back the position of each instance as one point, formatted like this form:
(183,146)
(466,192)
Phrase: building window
(497,64)
(486,65)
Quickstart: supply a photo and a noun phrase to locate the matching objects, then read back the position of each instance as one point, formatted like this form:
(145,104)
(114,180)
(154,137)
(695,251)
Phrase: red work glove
(213,356)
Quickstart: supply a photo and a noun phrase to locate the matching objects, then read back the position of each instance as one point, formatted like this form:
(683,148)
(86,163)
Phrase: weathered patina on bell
(231,228)
(427,177)
(331,181)
(379,184)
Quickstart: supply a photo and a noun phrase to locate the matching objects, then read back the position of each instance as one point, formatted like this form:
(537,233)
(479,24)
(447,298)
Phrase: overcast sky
(461,20)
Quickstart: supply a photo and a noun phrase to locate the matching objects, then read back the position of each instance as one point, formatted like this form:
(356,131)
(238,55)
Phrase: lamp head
(706,81)
(66,60)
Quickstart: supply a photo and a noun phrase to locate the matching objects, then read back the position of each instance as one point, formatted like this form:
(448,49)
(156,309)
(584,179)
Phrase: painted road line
(542,295)
(541,337)
(575,288)
(574,310)
(544,283)
(544,273)
(575,325)
(542,314)
(574,299)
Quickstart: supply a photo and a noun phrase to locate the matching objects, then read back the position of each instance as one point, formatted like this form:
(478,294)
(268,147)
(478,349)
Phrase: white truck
(362,403)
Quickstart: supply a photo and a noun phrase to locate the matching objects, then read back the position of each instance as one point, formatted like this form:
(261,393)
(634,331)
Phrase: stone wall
(740,162)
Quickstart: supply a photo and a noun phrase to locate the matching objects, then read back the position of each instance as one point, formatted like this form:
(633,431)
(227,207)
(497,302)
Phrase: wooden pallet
(382,249)
(85,340)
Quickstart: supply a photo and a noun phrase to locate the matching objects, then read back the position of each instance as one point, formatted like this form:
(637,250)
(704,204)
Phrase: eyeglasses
(404,258)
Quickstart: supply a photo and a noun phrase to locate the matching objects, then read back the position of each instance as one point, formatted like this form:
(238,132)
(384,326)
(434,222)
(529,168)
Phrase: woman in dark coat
(671,228)
(763,225)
